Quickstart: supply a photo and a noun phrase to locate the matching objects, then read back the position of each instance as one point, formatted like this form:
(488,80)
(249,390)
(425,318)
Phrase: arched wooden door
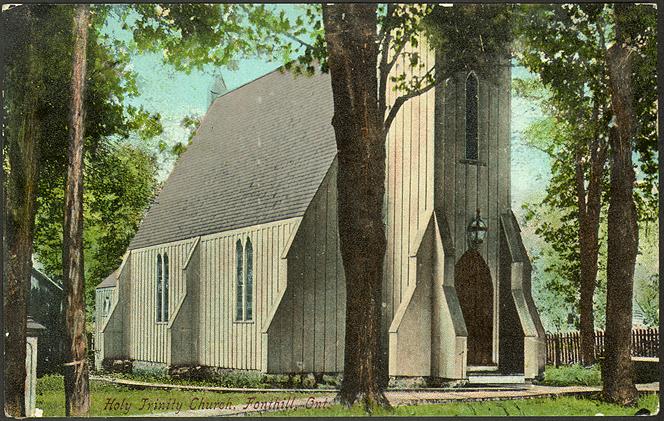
(472,281)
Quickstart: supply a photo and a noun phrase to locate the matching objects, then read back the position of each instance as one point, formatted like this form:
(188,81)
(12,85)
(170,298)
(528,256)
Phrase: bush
(573,375)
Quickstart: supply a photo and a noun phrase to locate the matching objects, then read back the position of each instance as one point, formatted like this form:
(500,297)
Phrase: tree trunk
(590,205)
(617,371)
(77,394)
(350,32)
(20,206)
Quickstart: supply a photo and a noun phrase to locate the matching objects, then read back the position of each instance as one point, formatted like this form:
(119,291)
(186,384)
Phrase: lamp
(476,231)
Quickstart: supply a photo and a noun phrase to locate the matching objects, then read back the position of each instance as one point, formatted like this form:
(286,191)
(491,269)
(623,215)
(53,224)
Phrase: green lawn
(114,400)
(531,407)
(572,375)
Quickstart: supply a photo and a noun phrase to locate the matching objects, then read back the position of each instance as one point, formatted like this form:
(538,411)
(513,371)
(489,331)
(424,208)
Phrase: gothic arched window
(239,281)
(165,299)
(249,284)
(160,289)
(472,104)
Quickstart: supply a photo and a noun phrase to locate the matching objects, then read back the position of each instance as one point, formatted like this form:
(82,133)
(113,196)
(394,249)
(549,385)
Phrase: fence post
(556,362)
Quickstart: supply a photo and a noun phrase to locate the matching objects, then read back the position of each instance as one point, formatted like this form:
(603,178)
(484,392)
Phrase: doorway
(472,281)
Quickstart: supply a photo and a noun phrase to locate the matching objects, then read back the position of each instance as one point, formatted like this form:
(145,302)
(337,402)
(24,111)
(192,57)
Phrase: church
(237,265)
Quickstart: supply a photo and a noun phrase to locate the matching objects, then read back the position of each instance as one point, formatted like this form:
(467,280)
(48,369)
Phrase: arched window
(239,290)
(472,103)
(165,299)
(249,285)
(107,306)
(160,288)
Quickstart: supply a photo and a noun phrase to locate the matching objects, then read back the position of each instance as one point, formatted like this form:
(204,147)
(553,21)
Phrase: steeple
(217,89)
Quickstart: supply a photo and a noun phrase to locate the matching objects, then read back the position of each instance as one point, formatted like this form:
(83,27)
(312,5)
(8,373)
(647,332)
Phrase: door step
(481,368)
(485,378)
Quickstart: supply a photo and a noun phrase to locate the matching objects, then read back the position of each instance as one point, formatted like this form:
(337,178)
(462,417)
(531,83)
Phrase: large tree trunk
(20,206)
(350,32)
(77,395)
(617,370)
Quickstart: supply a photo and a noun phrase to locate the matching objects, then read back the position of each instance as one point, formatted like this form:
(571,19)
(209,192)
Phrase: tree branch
(383,68)
(403,98)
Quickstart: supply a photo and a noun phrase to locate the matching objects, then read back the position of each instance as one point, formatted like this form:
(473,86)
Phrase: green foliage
(647,298)
(468,46)
(119,180)
(566,46)
(191,123)
(119,186)
(573,375)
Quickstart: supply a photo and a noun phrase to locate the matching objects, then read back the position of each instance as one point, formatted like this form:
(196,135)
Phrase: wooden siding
(222,341)
(461,186)
(100,320)
(409,193)
(307,331)
(148,339)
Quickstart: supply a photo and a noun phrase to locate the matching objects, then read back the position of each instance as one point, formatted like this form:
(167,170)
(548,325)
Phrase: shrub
(573,375)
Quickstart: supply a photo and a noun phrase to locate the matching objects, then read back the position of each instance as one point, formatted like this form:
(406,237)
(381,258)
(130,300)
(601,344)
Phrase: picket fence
(565,348)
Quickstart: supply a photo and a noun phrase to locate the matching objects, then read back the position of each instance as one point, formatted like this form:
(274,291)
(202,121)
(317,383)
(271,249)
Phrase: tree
(77,392)
(566,46)
(336,38)
(23,81)
(623,239)
(36,110)
(571,68)
(119,185)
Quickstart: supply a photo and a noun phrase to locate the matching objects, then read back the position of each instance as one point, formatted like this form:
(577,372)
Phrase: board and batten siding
(409,191)
(223,341)
(149,339)
(101,317)
(462,186)
(306,331)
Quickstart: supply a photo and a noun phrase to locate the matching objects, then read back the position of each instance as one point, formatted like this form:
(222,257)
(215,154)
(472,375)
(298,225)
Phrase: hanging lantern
(476,231)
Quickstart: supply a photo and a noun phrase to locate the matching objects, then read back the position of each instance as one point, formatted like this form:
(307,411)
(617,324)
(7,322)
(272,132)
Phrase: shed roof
(259,156)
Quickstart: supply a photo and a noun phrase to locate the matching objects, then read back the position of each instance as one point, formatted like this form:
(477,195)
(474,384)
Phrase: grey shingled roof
(258,156)
(110,281)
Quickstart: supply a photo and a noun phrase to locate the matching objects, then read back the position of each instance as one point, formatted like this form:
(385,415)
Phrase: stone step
(495,378)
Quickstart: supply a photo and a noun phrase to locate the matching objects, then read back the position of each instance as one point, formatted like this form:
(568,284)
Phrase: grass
(115,400)
(235,379)
(566,405)
(572,375)
(118,400)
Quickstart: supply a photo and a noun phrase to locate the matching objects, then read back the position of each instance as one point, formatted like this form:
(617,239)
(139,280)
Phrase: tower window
(472,103)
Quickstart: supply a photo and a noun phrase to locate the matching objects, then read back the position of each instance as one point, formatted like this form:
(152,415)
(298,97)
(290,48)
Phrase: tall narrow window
(472,103)
(160,288)
(165,299)
(249,287)
(239,293)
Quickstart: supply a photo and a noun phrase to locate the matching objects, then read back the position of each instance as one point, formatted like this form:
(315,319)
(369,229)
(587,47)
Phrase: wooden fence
(565,348)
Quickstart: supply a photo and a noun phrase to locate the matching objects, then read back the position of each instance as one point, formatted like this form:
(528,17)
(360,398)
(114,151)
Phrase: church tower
(491,269)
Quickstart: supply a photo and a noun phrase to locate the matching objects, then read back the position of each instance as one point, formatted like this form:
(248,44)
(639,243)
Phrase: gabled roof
(41,278)
(258,156)
(110,281)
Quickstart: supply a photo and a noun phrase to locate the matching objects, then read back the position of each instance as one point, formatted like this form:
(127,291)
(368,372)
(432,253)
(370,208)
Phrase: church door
(472,281)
